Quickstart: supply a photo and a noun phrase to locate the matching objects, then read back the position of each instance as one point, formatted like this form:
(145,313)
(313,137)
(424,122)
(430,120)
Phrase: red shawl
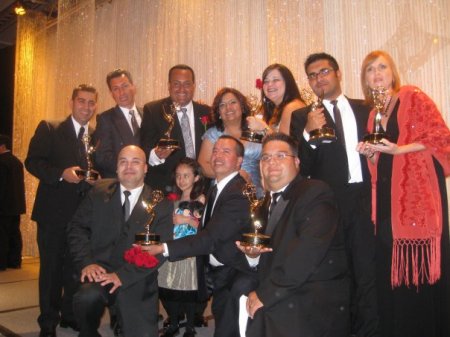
(415,199)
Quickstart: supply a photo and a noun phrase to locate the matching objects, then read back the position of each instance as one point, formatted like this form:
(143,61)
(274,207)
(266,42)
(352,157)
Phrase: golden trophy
(148,238)
(325,134)
(250,135)
(89,173)
(379,95)
(254,239)
(166,142)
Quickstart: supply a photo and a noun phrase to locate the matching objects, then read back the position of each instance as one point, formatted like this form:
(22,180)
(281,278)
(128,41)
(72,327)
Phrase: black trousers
(57,279)
(10,241)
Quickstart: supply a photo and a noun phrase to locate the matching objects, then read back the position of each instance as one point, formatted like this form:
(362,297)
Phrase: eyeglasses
(223,105)
(322,73)
(276,156)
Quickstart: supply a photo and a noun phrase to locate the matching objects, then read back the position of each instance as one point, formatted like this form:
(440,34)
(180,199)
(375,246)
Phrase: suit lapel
(71,139)
(121,124)
(277,212)
(199,128)
(139,215)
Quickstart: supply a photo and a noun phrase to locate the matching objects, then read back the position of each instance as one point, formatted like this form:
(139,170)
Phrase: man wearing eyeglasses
(338,164)
(188,128)
(303,281)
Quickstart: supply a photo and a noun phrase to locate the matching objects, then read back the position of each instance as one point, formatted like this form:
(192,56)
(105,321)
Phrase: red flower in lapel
(138,257)
(172,196)
(205,121)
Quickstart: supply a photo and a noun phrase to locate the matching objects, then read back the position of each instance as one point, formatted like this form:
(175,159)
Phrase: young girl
(178,280)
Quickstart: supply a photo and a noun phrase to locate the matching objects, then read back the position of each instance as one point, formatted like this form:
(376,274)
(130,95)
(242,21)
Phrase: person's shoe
(69,324)
(200,321)
(190,332)
(171,331)
(47,333)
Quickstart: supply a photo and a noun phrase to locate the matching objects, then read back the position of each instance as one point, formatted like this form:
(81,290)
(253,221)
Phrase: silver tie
(186,129)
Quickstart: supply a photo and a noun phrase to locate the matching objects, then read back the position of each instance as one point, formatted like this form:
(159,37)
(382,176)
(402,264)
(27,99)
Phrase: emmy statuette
(148,238)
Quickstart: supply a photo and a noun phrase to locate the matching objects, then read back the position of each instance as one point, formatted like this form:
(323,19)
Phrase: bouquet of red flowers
(140,258)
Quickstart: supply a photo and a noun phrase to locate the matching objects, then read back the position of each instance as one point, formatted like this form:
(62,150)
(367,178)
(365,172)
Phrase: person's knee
(89,295)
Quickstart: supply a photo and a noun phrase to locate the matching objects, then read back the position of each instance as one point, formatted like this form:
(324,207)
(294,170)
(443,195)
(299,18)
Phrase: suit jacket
(99,234)
(12,188)
(111,134)
(303,282)
(53,148)
(328,162)
(229,220)
(152,130)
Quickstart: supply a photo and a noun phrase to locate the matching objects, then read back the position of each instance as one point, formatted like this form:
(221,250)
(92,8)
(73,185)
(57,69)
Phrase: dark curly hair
(245,107)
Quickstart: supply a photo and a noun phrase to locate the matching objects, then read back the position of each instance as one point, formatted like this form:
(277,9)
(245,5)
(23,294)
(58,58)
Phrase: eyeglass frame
(278,156)
(321,73)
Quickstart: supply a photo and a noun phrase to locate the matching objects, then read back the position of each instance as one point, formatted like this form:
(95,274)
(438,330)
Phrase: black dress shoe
(171,331)
(190,332)
(69,324)
(47,333)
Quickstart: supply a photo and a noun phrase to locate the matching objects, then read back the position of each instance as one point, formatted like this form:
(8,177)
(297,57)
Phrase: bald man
(98,236)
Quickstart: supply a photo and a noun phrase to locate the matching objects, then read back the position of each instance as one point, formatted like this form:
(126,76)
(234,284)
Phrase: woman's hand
(365,150)
(256,124)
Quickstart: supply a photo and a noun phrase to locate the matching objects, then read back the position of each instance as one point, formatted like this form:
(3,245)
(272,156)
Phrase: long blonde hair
(368,60)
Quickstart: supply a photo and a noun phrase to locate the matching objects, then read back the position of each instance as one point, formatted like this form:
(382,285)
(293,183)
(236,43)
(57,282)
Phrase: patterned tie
(209,205)
(134,122)
(186,129)
(126,206)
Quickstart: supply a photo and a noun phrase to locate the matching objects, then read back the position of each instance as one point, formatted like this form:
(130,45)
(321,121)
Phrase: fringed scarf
(416,207)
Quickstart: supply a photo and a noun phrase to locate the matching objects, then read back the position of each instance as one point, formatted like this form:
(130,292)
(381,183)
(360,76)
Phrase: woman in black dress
(409,205)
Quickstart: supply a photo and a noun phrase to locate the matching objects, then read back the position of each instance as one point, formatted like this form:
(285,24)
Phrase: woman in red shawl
(409,205)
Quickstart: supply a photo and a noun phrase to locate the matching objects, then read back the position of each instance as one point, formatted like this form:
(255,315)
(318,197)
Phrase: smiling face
(131,167)
(278,172)
(229,108)
(123,91)
(379,73)
(83,106)
(328,84)
(181,86)
(224,158)
(274,86)
(185,178)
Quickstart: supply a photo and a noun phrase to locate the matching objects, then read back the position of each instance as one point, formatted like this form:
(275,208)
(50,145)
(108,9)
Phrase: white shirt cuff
(154,160)
(253,262)
(166,250)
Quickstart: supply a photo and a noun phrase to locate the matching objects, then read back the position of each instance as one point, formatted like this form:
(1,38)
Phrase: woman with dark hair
(230,111)
(178,283)
(280,97)
(409,205)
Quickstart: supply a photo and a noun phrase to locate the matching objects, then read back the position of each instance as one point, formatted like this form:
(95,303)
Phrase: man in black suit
(303,283)
(186,130)
(225,219)
(118,126)
(12,205)
(101,231)
(55,154)
(338,164)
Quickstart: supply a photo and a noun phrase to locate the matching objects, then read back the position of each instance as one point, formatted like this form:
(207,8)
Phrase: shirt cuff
(154,160)
(306,137)
(253,262)
(166,250)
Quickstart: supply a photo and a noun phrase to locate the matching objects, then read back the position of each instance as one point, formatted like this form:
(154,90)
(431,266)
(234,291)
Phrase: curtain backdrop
(227,42)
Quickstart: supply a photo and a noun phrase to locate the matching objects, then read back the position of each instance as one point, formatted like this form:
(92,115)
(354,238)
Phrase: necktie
(186,129)
(126,205)
(82,147)
(209,205)
(273,202)
(134,123)
(338,123)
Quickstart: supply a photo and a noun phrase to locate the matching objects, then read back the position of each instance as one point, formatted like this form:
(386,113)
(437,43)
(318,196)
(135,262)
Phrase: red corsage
(259,84)
(138,257)
(205,121)
(172,196)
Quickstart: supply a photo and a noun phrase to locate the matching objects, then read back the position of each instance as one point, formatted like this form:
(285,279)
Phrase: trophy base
(252,136)
(255,240)
(323,135)
(147,239)
(87,174)
(167,143)
(375,138)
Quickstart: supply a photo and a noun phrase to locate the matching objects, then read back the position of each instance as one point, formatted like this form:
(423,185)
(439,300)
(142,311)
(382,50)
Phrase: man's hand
(252,252)
(109,278)
(153,249)
(316,119)
(92,272)
(70,175)
(253,304)
(163,153)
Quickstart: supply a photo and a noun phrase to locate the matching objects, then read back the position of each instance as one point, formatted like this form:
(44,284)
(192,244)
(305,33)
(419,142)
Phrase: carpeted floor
(19,305)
